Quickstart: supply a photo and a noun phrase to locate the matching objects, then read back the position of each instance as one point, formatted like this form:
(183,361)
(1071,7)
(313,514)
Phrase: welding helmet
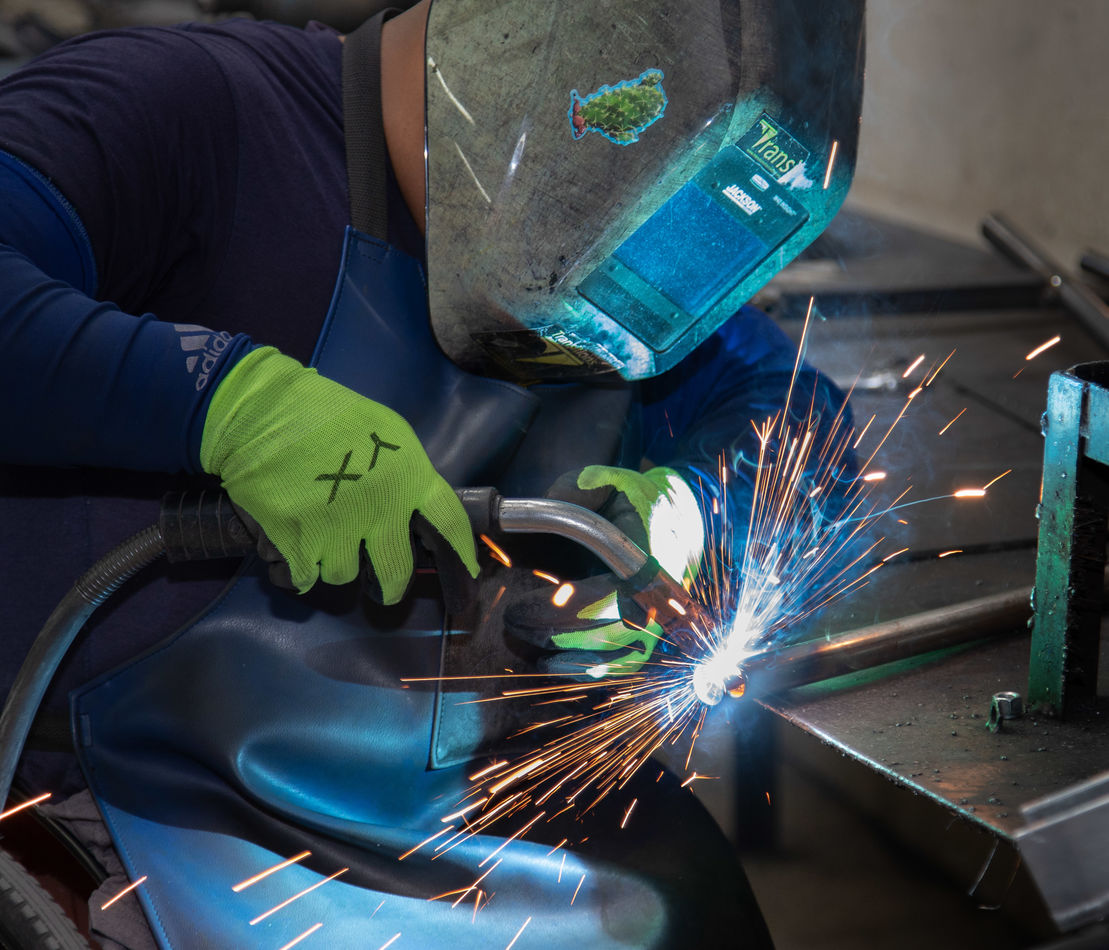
(610,180)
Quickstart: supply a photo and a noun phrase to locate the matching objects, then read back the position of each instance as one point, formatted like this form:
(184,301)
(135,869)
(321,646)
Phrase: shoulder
(119,76)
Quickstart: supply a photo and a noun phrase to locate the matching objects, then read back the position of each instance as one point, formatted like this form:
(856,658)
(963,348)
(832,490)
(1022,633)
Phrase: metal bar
(1064,846)
(816,660)
(1095,263)
(1079,299)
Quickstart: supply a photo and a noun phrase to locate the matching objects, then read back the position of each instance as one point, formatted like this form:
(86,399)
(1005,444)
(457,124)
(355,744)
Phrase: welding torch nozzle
(663,599)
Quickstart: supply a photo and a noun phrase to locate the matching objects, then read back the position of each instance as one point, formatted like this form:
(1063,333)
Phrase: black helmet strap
(363,129)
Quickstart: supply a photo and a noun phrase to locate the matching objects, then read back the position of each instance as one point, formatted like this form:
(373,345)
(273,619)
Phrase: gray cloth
(122,926)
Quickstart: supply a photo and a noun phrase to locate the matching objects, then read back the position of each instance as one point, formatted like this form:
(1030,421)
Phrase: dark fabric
(99,386)
(204,162)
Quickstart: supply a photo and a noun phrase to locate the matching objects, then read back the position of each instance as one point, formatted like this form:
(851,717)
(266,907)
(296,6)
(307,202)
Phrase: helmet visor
(609,181)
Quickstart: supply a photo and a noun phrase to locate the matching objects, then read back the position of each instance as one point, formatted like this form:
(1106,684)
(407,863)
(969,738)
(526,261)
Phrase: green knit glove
(586,633)
(325,471)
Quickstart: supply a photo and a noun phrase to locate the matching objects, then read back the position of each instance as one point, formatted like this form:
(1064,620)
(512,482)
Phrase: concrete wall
(973,106)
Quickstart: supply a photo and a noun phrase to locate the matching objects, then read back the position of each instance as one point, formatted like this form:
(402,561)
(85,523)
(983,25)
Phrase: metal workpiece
(1059,286)
(811,661)
(1064,845)
(1070,560)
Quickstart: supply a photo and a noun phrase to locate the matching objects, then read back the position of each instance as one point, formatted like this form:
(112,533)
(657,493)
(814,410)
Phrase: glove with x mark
(333,479)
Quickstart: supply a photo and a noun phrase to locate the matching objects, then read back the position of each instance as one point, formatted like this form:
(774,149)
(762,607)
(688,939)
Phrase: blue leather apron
(275,724)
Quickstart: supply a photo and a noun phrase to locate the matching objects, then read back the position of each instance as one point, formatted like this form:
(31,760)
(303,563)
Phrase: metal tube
(1095,263)
(815,660)
(525,515)
(1076,297)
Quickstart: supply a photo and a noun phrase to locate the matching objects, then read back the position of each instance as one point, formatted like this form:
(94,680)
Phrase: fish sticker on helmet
(620,112)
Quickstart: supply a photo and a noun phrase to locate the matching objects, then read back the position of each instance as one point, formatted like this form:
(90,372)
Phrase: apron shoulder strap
(363,130)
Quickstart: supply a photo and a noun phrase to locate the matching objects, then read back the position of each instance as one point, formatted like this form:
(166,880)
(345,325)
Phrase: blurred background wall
(974,106)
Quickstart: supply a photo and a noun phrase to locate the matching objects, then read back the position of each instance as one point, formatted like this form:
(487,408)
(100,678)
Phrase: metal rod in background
(1076,297)
(815,660)
(1095,263)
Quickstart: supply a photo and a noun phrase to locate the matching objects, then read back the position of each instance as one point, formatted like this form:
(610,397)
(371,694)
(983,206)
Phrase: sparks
(473,886)
(863,433)
(489,769)
(296,897)
(952,422)
(931,376)
(495,550)
(262,875)
(518,932)
(464,811)
(831,163)
(562,595)
(949,553)
(308,933)
(913,365)
(696,778)
(808,539)
(127,890)
(1042,347)
(576,889)
(388,943)
(30,803)
(994,481)
(543,575)
(413,850)
(970,493)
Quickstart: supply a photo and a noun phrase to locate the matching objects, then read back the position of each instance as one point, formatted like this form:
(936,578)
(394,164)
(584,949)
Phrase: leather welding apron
(276,724)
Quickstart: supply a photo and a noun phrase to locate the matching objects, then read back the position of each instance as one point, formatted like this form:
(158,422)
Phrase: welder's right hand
(330,476)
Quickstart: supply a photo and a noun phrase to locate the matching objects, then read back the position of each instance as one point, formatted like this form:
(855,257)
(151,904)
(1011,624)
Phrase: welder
(545,219)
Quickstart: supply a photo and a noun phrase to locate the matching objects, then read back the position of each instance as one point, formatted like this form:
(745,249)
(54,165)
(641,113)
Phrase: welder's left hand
(596,633)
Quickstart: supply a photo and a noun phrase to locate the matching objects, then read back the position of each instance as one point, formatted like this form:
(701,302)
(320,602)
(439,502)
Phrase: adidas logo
(202,348)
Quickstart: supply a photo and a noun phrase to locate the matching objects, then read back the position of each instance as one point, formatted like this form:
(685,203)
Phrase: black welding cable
(56,636)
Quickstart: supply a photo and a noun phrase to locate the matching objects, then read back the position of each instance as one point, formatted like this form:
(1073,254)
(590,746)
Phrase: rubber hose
(56,636)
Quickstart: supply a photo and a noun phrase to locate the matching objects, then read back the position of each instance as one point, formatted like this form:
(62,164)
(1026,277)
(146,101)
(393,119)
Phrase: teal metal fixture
(1070,559)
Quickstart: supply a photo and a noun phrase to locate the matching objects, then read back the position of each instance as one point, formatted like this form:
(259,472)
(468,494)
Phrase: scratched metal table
(919,726)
